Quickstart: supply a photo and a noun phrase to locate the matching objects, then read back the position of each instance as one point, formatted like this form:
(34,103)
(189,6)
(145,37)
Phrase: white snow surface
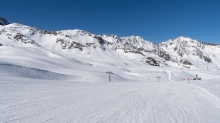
(41,82)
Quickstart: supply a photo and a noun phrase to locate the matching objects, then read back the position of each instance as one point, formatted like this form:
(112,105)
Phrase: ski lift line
(96,71)
(158,77)
(109,72)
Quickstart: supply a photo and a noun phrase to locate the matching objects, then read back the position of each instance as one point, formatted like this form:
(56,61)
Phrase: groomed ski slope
(34,101)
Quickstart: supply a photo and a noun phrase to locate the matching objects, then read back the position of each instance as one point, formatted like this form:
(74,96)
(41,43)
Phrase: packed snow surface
(30,100)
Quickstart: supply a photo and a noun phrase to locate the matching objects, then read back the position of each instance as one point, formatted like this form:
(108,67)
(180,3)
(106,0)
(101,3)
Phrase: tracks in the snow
(106,102)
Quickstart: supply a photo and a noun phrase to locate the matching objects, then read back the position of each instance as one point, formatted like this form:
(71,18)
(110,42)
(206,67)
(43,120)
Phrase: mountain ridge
(182,51)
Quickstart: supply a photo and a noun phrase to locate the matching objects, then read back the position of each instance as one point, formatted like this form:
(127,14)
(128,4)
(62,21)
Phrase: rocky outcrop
(70,45)
(186,62)
(152,61)
(206,58)
(3,21)
(23,39)
(100,39)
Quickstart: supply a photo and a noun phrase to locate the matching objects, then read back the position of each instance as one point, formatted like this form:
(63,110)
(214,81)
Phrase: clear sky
(154,20)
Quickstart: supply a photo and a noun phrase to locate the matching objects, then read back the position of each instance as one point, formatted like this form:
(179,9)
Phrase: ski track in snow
(54,101)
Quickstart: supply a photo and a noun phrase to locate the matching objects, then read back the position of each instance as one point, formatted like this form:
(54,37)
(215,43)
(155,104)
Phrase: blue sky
(154,20)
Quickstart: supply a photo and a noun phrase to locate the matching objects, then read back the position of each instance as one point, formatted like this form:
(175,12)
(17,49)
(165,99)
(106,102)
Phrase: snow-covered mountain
(190,52)
(62,76)
(179,52)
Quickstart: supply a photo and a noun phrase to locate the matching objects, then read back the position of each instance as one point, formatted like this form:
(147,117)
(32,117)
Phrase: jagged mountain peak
(180,50)
(183,39)
(134,38)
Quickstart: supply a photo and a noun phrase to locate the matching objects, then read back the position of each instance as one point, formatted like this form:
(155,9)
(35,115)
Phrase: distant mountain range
(178,52)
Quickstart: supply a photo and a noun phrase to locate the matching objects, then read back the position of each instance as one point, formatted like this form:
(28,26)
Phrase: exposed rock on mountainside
(3,21)
(185,46)
(22,38)
(70,45)
(152,61)
(181,51)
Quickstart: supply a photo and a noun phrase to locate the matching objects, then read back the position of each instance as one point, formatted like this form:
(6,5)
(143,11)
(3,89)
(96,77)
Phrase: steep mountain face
(178,52)
(181,48)
(72,40)
(3,21)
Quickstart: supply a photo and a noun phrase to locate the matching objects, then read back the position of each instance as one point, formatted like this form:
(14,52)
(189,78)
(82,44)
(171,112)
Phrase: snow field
(80,92)
(32,100)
